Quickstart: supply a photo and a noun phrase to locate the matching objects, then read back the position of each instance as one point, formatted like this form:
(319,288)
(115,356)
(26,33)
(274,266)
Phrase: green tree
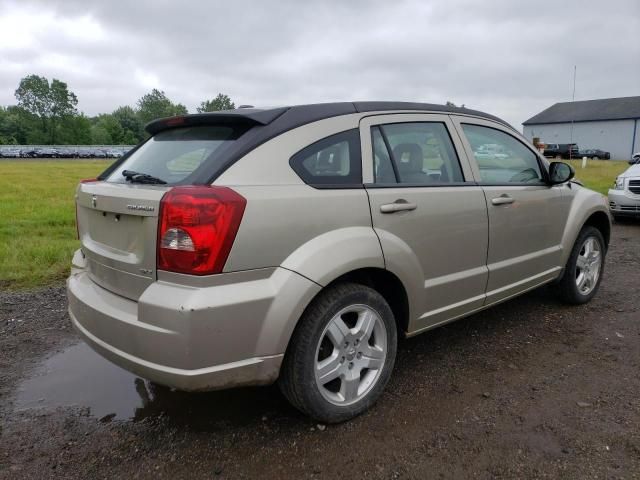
(129,138)
(100,135)
(63,105)
(112,126)
(50,102)
(221,102)
(132,128)
(75,130)
(155,105)
(25,127)
(33,96)
(8,127)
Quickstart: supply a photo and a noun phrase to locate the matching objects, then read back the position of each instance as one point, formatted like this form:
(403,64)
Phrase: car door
(428,213)
(526,214)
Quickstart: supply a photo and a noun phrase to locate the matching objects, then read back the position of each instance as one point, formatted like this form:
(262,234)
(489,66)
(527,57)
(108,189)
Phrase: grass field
(37,214)
(37,219)
(599,174)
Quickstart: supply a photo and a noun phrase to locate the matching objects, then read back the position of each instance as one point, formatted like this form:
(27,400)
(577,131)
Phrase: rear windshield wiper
(137,177)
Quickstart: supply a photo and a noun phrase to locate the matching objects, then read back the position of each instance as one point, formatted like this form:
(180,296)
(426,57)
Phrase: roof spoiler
(244,116)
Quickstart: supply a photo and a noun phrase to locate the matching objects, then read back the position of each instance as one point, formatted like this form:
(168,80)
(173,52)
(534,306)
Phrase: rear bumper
(231,334)
(624,203)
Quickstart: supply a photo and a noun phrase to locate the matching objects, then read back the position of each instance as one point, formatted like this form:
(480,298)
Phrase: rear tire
(341,354)
(584,269)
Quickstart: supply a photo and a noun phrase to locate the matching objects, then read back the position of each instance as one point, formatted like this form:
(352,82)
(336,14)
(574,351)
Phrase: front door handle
(399,205)
(503,199)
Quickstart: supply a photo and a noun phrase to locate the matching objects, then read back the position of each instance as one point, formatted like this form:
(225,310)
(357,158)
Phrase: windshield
(173,155)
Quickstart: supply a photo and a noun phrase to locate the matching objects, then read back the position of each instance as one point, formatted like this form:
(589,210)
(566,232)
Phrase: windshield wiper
(137,177)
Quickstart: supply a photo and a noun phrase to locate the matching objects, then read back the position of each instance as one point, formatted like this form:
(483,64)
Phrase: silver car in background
(297,244)
(624,197)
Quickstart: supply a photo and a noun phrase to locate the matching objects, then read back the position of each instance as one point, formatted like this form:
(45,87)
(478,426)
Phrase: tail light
(197,227)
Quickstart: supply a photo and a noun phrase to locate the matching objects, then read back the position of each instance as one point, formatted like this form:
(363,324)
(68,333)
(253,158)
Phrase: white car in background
(624,197)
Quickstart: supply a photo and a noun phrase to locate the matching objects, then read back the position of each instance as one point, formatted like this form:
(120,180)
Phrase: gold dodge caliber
(297,244)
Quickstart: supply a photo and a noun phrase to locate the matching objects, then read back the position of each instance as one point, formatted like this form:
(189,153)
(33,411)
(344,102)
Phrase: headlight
(619,184)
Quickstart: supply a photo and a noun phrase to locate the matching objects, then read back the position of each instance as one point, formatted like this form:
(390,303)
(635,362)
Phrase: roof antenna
(573,99)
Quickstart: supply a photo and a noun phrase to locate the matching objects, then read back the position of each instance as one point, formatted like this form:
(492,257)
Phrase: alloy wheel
(350,355)
(588,265)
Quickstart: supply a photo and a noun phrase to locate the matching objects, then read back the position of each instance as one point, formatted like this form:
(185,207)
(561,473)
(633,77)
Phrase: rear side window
(334,160)
(174,155)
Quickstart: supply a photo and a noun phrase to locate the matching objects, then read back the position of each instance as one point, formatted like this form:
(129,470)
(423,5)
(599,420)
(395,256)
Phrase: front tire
(584,269)
(341,354)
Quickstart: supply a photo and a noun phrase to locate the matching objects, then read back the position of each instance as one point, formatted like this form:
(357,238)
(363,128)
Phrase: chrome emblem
(144,208)
(94,201)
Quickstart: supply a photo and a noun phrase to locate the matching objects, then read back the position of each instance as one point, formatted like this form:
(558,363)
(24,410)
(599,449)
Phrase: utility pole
(573,99)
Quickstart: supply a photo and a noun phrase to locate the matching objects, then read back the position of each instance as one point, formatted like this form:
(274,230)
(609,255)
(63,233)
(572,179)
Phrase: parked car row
(561,150)
(571,150)
(595,154)
(24,151)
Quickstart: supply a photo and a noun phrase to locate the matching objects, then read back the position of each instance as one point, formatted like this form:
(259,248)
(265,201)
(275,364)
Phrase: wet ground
(529,389)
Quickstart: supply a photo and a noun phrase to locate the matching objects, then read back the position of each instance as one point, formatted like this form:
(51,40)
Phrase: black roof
(260,125)
(621,108)
(281,119)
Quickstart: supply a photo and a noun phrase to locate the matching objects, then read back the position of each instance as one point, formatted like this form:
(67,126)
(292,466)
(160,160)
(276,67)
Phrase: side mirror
(560,172)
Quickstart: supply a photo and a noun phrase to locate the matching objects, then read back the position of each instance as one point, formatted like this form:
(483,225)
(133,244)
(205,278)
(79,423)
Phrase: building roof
(621,108)
(287,118)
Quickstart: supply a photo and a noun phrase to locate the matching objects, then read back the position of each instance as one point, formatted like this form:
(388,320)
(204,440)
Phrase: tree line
(46,114)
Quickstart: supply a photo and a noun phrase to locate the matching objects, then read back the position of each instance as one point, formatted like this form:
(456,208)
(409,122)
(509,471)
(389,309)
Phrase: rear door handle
(399,205)
(503,199)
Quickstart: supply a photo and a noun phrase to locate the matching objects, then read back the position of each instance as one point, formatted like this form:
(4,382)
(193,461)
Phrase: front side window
(334,160)
(420,153)
(500,157)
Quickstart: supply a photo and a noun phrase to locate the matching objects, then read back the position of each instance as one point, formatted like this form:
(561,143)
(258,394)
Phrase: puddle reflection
(79,377)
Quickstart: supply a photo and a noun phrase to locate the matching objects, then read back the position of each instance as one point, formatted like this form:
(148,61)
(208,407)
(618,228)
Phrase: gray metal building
(610,124)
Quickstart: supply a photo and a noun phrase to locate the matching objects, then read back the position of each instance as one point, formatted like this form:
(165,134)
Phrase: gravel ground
(528,389)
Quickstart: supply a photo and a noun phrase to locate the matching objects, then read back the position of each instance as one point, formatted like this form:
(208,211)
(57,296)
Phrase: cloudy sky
(510,58)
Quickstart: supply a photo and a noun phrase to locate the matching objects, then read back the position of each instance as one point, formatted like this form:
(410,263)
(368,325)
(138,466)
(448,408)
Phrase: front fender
(584,204)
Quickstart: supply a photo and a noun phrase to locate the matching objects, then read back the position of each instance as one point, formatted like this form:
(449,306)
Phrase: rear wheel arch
(382,281)
(386,284)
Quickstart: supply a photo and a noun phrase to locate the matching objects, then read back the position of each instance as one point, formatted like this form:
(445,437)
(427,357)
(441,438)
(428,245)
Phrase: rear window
(177,154)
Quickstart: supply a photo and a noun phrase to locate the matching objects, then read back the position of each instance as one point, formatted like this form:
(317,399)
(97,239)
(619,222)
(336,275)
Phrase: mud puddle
(77,377)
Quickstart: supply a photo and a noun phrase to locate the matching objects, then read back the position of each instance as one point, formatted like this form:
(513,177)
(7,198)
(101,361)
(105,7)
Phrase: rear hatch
(117,225)
(118,214)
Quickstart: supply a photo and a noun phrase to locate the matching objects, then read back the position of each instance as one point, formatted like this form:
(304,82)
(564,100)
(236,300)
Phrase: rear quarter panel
(319,233)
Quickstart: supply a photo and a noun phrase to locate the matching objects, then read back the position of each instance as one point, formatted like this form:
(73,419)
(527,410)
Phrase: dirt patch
(529,389)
